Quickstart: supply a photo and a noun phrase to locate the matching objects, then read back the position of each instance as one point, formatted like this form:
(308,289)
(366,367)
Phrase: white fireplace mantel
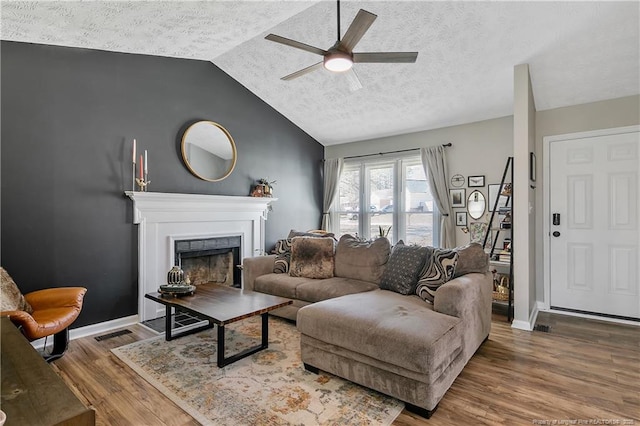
(164,218)
(163,207)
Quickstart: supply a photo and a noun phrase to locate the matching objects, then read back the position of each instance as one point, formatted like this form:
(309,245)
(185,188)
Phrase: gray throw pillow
(436,272)
(313,233)
(361,260)
(401,273)
(471,258)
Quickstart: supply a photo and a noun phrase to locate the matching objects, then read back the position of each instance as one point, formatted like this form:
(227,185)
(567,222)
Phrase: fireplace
(210,260)
(210,231)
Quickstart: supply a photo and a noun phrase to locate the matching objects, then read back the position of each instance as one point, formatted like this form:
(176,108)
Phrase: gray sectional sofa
(356,269)
(397,344)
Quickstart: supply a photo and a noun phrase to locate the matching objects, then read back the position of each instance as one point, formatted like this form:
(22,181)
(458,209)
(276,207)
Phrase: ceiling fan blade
(358,27)
(388,57)
(296,44)
(302,72)
(354,81)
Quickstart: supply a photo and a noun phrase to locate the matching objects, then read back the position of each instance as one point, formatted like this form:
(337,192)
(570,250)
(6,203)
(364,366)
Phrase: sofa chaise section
(372,321)
(399,345)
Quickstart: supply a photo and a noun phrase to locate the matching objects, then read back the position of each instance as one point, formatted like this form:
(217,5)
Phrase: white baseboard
(527,325)
(521,325)
(593,317)
(89,330)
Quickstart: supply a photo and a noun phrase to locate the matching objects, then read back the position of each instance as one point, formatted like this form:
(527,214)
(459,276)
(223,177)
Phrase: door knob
(556,233)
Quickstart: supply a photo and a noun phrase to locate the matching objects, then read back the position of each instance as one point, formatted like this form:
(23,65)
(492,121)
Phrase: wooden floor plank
(581,369)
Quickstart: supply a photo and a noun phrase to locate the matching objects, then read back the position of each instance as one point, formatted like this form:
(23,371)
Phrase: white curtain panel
(434,162)
(332,171)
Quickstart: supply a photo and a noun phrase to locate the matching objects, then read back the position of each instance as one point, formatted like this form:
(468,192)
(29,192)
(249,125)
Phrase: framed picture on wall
(457,181)
(458,197)
(478,232)
(475,181)
(461,218)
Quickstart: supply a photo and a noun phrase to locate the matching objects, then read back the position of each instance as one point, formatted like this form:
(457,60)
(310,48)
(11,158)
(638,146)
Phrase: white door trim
(546,193)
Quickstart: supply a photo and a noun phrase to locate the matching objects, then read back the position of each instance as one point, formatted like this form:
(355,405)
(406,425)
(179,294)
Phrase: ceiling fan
(340,57)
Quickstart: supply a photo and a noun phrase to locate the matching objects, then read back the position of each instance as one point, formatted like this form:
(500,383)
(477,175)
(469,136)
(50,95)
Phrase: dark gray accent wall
(68,119)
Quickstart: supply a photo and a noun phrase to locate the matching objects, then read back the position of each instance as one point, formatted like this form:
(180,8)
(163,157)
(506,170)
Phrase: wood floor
(580,370)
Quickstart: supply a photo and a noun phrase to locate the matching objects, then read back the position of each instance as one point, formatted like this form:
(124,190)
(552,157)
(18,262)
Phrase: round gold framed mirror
(208,151)
(476,204)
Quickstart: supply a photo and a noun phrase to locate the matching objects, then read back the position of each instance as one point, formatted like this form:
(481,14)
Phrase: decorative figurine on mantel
(142,184)
(263,188)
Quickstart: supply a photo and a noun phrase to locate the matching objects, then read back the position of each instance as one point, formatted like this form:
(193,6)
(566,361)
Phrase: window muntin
(380,179)
(370,192)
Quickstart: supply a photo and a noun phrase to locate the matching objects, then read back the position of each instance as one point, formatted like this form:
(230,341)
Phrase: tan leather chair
(54,310)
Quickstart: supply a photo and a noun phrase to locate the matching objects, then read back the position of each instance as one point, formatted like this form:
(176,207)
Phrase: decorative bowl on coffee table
(177,290)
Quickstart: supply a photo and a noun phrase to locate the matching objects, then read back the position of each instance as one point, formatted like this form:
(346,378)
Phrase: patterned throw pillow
(282,251)
(282,246)
(10,295)
(401,273)
(438,271)
(312,257)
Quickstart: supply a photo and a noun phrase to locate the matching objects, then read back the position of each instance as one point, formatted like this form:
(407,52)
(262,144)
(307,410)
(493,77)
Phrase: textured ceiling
(194,30)
(578,52)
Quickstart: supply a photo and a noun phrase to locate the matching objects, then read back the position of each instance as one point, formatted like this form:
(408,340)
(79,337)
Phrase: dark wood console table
(32,393)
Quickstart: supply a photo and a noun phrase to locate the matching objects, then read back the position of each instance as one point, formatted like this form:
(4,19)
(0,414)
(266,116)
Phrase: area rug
(270,387)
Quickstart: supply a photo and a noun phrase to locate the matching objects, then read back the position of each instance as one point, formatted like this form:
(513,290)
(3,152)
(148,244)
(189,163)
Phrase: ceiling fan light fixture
(338,62)
(340,57)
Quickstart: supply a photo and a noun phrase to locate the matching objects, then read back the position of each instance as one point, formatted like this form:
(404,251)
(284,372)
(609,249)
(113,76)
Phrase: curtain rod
(393,152)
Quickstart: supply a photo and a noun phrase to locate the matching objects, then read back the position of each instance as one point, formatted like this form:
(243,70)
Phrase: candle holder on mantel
(133,173)
(143,183)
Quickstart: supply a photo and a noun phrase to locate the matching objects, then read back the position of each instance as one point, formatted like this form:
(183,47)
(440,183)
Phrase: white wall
(524,213)
(482,148)
(479,148)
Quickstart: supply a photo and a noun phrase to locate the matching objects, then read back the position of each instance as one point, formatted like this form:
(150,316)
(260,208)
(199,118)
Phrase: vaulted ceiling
(578,52)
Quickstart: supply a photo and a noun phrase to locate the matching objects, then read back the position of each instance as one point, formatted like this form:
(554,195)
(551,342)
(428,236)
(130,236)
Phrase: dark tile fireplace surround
(210,260)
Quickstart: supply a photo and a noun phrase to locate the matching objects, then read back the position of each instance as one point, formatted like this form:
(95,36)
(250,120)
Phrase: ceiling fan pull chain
(338,20)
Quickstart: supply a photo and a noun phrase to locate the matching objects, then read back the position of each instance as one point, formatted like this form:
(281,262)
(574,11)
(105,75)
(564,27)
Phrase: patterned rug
(270,387)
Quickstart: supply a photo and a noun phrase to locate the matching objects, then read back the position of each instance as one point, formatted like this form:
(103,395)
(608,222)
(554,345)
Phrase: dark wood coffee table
(222,305)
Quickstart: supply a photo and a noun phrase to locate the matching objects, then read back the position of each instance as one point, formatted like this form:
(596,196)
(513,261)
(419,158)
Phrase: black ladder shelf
(508,170)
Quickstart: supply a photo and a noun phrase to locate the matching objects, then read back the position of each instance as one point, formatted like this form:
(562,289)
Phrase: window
(393,194)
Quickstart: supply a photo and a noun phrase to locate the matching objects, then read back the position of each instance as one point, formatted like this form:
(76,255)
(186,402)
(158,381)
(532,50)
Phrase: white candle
(134,151)
(146,170)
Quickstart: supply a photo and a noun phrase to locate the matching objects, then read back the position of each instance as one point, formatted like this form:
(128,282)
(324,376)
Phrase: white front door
(594,235)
